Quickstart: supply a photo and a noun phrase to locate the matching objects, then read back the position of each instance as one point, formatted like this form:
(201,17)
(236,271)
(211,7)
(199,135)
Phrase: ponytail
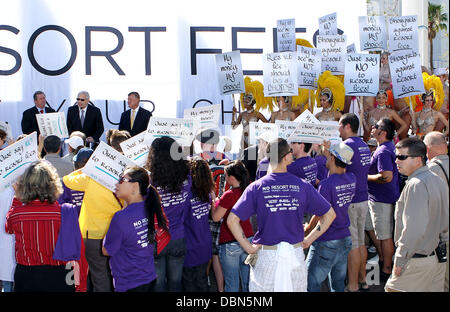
(154,209)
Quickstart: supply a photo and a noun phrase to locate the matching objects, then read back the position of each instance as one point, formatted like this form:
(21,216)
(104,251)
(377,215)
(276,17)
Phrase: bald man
(437,156)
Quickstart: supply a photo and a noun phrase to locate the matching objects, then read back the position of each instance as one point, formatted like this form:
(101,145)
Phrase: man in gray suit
(52,146)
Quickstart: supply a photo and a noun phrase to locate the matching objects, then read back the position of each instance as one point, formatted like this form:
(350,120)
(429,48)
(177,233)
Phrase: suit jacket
(140,121)
(93,122)
(29,121)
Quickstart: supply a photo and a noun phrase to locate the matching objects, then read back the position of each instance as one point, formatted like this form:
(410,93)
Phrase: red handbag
(162,237)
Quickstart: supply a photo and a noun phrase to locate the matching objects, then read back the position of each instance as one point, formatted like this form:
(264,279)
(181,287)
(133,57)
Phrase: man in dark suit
(86,118)
(134,120)
(29,121)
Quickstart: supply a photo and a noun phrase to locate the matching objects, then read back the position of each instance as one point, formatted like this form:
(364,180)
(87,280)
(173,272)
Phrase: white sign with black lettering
(207,116)
(52,124)
(286,35)
(334,49)
(309,66)
(372,33)
(180,129)
(307,117)
(258,128)
(229,73)
(351,48)
(285,128)
(280,74)
(135,149)
(362,73)
(328,24)
(403,33)
(313,133)
(406,73)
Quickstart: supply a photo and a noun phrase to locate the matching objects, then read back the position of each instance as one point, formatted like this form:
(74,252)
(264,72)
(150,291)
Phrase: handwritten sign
(309,66)
(52,124)
(406,73)
(306,117)
(313,133)
(285,128)
(333,50)
(286,35)
(106,165)
(258,128)
(362,73)
(403,33)
(351,48)
(328,24)
(135,149)
(280,74)
(207,116)
(229,73)
(16,158)
(372,33)
(181,130)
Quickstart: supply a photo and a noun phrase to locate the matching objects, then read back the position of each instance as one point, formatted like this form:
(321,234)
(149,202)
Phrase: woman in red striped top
(35,219)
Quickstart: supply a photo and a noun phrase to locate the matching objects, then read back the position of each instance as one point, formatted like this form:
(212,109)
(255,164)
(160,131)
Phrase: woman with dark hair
(427,118)
(196,227)
(169,174)
(130,237)
(231,254)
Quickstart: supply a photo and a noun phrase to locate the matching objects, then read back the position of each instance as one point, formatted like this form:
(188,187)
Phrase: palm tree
(436,22)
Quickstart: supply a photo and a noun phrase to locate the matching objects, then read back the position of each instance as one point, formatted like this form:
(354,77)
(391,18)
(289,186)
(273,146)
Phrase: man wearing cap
(52,146)
(74,143)
(327,256)
(134,120)
(279,200)
(421,218)
(29,121)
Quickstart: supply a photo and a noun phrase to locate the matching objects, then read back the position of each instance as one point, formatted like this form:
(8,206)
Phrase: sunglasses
(403,157)
(290,151)
(82,100)
(123,179)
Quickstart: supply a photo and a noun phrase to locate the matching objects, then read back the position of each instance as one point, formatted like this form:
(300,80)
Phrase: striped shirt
(36,227)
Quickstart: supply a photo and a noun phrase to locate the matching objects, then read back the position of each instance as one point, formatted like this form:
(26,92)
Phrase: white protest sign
(16,158)
(106,165)
(309,67)
(207,116)
(351,48)
(181,130)
(135,149)
(403,33)
(336,138)
(229,73)
(258,128)
(313,133)
(328,24)
(372,33)
(7,128)
(406,73)
(285,128)
(52,124)
(334,49)
(306,117)
(286,35)
(362,73)
(280,74)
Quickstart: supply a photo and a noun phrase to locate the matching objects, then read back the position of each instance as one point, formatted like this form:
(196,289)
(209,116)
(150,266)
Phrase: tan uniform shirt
(432,164)
(421,215)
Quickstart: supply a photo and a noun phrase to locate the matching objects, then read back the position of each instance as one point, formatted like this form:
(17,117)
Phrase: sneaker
(384,276)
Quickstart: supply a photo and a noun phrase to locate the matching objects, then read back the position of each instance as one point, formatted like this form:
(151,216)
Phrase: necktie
(82,118)
(133,112)
(42,111)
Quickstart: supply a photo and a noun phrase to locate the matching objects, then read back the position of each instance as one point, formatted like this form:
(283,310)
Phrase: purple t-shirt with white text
(359,167)
(322,171)
(127,243)
(338,190)
(263,166)
(279,201)
(383,159)
(304,168)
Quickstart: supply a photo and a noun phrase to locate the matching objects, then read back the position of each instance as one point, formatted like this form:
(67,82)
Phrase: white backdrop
(171,86)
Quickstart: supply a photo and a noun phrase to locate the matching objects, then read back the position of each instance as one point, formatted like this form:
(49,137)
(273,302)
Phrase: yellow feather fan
(333,83)
(433,84)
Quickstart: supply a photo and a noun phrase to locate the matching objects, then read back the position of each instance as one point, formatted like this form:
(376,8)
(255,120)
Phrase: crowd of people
(287,215)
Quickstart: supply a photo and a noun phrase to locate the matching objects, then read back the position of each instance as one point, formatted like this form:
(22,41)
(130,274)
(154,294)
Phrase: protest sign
(372,33)
(328,24)
(307,117)
(285,128)
(181,130)
(106,165)
(286,35)
(16,158)
(52,124)
(309,67)
(351,48)
(406,73)
(280,74)
(362,73)
(207,116)
(313,133)
(135,149)
(258,128)
(229,73)
(403,33)
(333,50)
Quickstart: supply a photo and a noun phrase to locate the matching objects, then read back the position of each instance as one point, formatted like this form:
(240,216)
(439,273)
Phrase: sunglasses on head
(82,100)
(377,126)
(403,157)
(123,179)
(290,151)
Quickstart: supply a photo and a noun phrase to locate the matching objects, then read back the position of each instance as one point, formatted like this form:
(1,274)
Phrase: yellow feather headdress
(256,89)
(433,85)
(328,83)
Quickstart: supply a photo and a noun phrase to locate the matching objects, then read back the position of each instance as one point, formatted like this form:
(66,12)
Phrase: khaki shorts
(357,213)
(369,225)
(382,219)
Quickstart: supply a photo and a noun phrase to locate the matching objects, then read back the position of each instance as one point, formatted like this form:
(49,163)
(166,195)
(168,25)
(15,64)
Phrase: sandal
(363,286)
(348,290)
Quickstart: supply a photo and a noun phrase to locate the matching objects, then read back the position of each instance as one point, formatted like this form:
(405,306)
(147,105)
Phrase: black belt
(422,256)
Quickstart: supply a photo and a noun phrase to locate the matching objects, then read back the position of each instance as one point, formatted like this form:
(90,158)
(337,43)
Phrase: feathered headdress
(433,86)
(331,86)
(255,89)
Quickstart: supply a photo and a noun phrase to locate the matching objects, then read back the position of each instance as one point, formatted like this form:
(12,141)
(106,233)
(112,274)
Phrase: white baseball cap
(343,152)
(74,142)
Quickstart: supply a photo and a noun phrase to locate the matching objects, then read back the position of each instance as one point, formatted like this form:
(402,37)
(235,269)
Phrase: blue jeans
(232,258)
(169,266)
(328,258)
(7,286)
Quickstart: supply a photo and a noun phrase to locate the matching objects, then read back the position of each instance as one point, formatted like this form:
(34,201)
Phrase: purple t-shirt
(197,234)
(279,200)
(359,167)
(263,166)
(304,168)
(176,206)
(383,159)
(322,171)
(338,190)
(127,243)
(71,197)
